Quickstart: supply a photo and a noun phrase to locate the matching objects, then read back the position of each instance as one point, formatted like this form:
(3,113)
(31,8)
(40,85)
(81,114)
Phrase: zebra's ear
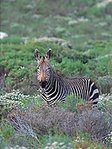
(49,54)
(37,55)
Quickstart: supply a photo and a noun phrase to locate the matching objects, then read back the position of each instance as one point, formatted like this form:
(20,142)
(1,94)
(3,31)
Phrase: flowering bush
(16,98)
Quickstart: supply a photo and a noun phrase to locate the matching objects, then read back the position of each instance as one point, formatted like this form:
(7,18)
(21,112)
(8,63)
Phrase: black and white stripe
(58,88)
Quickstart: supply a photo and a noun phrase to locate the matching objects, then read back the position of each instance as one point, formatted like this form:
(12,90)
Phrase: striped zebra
(54,87)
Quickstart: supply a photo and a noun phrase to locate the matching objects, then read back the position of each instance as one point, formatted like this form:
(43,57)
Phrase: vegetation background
(80,34)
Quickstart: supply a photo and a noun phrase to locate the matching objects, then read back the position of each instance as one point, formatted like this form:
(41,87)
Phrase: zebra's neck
(54,89)
(51,82)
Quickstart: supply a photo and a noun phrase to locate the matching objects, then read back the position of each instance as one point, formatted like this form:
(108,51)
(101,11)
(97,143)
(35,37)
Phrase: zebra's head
(43,68)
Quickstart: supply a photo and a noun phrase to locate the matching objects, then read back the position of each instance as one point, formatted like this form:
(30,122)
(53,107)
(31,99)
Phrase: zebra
(54,87)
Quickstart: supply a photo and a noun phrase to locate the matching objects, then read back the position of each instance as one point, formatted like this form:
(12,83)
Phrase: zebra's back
(83,87)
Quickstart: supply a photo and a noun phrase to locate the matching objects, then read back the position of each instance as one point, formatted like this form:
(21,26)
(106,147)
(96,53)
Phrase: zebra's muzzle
(43,83)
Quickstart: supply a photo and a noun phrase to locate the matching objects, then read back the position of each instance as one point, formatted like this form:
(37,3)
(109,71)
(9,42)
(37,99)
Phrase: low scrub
(72,124)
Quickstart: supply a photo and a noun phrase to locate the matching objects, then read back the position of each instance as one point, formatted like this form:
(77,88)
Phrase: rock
(79,20)
(58,41)
(3,35)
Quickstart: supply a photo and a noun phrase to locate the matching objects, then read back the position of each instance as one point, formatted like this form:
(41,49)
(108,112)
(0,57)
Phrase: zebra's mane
(75,77)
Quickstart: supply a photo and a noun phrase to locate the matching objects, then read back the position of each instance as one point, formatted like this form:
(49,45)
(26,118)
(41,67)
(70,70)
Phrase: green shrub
(71,103)
(7,129)
(96,11)
(20,63)
(12,40)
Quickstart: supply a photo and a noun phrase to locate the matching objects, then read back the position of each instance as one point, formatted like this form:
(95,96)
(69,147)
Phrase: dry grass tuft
(44,119)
